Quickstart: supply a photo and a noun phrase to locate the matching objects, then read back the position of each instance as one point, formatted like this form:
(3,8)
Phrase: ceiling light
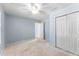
(34,7)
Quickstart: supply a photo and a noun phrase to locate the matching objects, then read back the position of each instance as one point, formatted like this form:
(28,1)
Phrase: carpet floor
(33,48)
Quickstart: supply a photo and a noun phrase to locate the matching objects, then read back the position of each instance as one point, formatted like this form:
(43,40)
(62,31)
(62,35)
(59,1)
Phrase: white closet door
(0,29)
(67,32)
(77,32)
(71,33)
(0,35)
(61,32)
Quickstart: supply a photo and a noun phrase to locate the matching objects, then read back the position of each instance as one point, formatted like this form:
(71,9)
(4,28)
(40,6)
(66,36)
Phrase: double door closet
(67,32)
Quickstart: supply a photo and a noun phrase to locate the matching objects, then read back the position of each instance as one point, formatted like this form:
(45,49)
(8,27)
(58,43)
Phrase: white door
(67,32)
(72,32)
(77,33)
(76,21)
(66,29)
(0,35)
(0,28)
(39,30)
(61,32)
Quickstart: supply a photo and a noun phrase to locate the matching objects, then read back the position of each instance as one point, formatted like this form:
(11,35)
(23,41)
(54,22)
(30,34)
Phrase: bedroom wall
(18,29)
(1,30)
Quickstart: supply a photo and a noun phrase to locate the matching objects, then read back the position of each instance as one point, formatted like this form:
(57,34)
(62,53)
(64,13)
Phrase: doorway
(39,30)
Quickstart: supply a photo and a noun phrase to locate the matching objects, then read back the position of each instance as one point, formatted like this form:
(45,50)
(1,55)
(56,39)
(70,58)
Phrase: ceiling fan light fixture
(34,7)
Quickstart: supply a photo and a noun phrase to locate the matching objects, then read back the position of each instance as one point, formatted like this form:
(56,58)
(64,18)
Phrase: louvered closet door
(67,32)
(77,32)
(72,32)
(61,32)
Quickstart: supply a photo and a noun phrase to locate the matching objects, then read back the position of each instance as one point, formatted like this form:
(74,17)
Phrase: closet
(67,32)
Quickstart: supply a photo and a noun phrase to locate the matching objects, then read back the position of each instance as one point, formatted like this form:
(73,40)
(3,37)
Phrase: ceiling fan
(33,7)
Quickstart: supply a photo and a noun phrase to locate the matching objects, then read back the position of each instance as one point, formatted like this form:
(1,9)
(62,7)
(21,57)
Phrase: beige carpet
(33,48)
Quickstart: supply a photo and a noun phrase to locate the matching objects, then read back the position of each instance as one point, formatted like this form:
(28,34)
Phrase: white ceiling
(19,9)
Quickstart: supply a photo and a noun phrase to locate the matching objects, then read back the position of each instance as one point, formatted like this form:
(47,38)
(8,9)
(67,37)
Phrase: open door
(39,33)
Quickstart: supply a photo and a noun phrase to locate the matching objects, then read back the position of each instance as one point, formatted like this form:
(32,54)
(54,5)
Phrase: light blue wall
(17,29)
(1,30)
